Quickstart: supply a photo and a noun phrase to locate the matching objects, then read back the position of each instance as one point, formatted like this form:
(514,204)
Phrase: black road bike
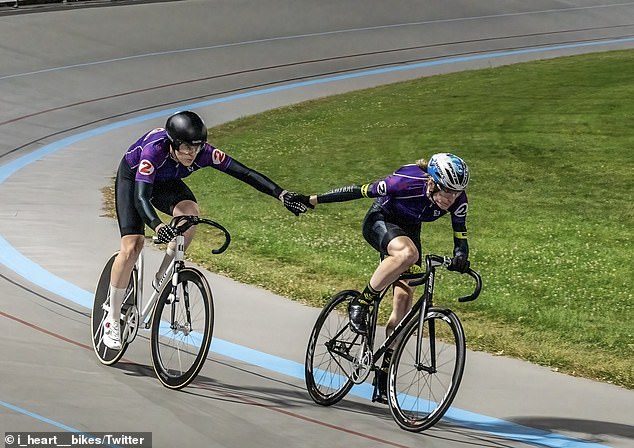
(428,360)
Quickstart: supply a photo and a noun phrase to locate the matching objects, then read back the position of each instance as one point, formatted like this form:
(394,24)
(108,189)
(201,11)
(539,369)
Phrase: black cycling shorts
(379,228)
(165,196)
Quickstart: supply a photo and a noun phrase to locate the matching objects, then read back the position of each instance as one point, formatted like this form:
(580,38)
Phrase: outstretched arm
(262,183)
(342,194)
(257,180)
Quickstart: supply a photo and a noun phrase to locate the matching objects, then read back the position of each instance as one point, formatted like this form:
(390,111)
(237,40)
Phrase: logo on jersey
(217,156)
(461,211)
(145,167)
(381,188)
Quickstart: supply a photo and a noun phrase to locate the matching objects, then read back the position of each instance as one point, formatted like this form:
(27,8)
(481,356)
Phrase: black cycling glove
(294,202)
(459,263)
(165,234)
(304,200)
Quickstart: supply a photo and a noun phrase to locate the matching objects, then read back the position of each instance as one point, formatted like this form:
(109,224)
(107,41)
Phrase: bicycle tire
(173,343)
(408,381)
(108,356)
(326,380)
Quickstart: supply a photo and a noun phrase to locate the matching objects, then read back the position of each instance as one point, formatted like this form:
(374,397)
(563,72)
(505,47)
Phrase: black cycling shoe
(358,313)
(380,387)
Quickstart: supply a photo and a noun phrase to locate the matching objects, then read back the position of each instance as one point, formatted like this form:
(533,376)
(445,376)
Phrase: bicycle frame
(420,307)
(174,267)
(335,362)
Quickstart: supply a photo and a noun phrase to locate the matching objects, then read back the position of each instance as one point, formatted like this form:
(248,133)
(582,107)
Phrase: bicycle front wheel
(100,307)
(425,372)
(331,352)
(182,326)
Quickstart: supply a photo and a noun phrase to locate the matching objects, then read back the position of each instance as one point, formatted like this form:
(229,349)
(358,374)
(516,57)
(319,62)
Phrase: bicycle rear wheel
(101,304)
(420,393)
(331,352)
(182,328)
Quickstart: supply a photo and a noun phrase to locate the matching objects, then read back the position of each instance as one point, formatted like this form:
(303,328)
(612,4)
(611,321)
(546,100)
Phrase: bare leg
(401,304)
(131,246)
(402,253)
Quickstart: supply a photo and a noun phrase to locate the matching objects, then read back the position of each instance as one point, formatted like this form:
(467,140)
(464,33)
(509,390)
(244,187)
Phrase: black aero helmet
(186,127)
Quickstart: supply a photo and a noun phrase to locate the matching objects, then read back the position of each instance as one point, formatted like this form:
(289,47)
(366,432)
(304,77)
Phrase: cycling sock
(116,299)
(368,296)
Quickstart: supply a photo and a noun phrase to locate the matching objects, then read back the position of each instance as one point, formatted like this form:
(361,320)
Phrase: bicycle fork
(432,330)
(178,264)
(173,298)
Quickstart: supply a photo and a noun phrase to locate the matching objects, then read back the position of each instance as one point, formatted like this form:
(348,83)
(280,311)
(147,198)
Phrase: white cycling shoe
(112,334)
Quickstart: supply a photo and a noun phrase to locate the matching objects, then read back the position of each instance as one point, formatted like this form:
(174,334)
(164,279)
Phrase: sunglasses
(186,148)
(447,190)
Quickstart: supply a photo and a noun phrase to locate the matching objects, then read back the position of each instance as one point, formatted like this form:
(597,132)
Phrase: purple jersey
(404,195)
(150,158)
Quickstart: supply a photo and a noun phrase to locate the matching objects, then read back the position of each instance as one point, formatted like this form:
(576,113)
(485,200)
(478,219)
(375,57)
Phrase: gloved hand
(304,200)
(459,263)
(294,202)
(165,233)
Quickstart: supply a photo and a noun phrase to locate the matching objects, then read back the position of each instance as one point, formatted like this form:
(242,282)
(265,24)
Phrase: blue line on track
(26,268)
(46,420)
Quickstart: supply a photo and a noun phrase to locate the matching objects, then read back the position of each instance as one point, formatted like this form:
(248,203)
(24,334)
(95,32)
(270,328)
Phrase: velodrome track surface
(79,83)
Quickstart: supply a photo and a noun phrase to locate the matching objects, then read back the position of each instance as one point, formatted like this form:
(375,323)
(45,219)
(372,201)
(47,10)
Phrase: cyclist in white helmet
(413,194)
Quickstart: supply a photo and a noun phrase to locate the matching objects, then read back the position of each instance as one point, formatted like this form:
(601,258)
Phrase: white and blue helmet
(449,172)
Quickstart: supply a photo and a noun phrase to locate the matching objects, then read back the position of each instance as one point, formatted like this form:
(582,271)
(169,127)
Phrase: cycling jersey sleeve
(460,243)
(142,196)
(459,224)
(257,180)
(407,181)
(341,194)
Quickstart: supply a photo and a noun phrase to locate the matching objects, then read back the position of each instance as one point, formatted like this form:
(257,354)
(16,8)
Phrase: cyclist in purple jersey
(150,177)
(413,194)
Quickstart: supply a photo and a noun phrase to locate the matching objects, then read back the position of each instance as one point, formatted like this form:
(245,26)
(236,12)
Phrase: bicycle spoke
(100,309)
(181,330)
(423,392)
(331,353)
